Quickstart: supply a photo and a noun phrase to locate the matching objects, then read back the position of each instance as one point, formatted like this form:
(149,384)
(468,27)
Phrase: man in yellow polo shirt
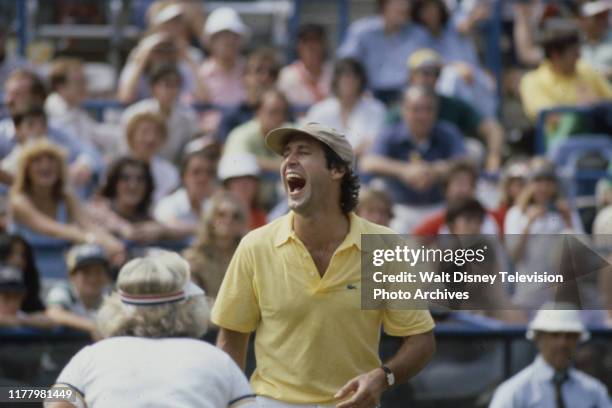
(296,283)
(561,79)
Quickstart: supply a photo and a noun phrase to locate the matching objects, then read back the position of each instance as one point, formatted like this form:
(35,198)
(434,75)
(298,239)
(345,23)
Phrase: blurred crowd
(441,148)
(184,165)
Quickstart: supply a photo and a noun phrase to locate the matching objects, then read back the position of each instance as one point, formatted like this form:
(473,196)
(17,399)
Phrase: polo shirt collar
(402,135)
(285,232)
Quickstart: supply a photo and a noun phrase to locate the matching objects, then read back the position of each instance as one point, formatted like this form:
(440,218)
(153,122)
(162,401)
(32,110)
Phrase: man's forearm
(382,165)
(235,344)
(414,354)
(493,135)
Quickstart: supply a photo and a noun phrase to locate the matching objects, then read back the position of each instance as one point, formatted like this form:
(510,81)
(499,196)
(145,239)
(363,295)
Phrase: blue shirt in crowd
(534,387)
(396,142)
(383,55)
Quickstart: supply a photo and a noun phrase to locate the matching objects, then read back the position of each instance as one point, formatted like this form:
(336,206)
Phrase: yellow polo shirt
(311,334)
(543,88)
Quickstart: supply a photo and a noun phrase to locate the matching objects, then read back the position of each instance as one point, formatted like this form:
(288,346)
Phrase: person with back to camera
(296,283)
(150,355)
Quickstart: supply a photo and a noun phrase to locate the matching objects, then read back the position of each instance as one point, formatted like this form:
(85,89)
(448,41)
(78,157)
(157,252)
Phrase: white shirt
(165,177)
(300,88)
(64,294)
(77,121)
(364,122)
(182,126)
(533,387)
(171,372)
(175,206)
(543,251)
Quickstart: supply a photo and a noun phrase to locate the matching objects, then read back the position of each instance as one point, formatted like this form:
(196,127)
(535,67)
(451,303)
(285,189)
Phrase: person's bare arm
(479,13)
(65,318)
(128,82)
(37,320)
(6,177)
(605,288)
(493,134)
(59,404)
(235,344)
(80,402)
(384,166)
(414,354)
(101,236)
(526,48)
(24,212)
(419,175)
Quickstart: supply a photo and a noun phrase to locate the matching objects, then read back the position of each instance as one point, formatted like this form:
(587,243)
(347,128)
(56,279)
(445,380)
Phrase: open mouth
(295,183)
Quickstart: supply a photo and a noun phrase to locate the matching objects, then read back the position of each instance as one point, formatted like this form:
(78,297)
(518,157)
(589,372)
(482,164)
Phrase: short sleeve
(503,398)
(59,295)
(515,221)
(74,373)
(404,323)
(603,400)
(241,393)
(351,47)
(236,307)
(164,210)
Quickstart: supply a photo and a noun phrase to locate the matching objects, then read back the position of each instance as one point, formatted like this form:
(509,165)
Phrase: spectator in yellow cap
(424,69)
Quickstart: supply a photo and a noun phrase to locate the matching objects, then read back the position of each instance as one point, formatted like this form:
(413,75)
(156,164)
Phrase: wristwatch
(389,376)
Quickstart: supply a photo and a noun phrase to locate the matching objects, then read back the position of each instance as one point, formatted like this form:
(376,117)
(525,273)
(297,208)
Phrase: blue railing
(460,329)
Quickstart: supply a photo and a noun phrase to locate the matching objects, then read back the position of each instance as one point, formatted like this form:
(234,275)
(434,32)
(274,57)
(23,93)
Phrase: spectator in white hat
(174,18)
(551,381)
(156,49)
(221,73)
(240,175)
(596,48)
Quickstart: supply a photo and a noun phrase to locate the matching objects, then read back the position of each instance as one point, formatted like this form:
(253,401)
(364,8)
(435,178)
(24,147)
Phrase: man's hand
(366,389)
(418,176)
(80,173)
(534,212)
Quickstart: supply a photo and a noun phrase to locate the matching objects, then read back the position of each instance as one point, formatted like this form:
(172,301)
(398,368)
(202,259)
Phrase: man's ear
(338,172)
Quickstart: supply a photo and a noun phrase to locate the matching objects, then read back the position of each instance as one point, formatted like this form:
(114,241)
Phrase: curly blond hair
(161,273)
(32,151)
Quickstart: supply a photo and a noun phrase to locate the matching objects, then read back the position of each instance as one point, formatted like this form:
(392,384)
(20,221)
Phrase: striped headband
(188,291)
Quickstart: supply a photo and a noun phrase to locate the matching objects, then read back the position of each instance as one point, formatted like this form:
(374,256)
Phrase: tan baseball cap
(276,139)
(425,57)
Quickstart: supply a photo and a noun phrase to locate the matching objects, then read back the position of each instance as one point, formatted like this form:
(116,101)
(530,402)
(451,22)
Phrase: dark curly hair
(417,9)
(349,188)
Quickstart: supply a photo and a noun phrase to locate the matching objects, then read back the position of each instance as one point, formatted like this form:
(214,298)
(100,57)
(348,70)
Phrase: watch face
(390,379)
